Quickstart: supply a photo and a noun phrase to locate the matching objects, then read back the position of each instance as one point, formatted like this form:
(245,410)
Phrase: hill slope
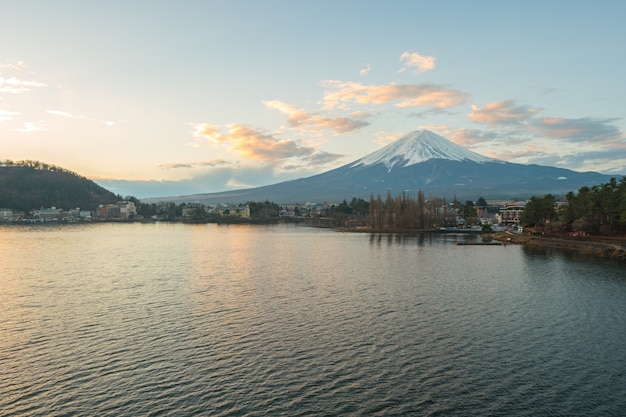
(28,185)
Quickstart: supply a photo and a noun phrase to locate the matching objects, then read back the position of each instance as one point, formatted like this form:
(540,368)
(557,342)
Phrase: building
(122,210)
(189,209)
(233,210)
(511,213)
(47,214)
(6,215)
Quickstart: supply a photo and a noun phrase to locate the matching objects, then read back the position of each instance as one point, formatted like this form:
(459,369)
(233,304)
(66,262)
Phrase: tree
(539,211)
(469,212)
(199,215)
(263,211)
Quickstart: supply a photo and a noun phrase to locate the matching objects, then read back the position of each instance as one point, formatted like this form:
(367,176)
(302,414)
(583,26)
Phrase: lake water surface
(182,320)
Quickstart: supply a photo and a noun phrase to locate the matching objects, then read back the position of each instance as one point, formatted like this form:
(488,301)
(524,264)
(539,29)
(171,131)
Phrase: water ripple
(174,320)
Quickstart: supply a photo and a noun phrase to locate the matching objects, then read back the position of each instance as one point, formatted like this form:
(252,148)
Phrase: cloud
(12,82)
(365,70)
(526,153)
(408,95)
(219,162)
(14,85)
(206,131)
(79,117)
(30,127)
(299,118)
(316,159)
(418,62)
(502,113)
(6,115)
(471,137)
(520,124)
(253,144)
(607,160)
(59,113)
(584,129)
(16,66)
(216,179)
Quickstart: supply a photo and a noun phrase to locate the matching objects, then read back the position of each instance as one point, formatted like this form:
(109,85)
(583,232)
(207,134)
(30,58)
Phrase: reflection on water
(174,319)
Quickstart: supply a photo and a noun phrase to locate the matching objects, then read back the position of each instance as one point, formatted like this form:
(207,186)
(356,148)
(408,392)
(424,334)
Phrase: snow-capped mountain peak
(419,146)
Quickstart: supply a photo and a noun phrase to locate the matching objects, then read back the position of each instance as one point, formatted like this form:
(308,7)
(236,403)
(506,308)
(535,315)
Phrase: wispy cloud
(12,80)
(416,62)
(14,85)
(501,113)
(606,160)
(60,113)
(584,129)
(79,117)
(30,127)
(471,137)
(6,115)
(340,93)
(219,162)
(300,118)
(365,70)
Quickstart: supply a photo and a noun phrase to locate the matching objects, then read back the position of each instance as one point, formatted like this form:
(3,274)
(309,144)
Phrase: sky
(158,98)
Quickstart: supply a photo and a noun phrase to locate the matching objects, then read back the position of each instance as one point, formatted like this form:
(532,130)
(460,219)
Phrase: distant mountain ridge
(27,185)
(420,160)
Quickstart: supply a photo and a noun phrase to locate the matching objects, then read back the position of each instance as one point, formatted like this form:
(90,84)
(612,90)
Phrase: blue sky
(154,98)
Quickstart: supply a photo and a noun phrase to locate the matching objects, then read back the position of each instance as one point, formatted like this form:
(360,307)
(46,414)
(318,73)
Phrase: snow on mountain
(419,146)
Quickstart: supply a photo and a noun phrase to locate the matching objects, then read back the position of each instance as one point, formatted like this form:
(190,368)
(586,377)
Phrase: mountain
(28,185)
(417,147)
(420,160)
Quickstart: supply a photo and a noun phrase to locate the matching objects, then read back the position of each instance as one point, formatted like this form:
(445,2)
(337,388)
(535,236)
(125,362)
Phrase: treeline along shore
(593,219)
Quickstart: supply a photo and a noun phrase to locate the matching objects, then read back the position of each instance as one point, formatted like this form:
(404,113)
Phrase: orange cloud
(408,95)
(253,144)
(501,113)
(206,131)
(417,61)
(297,117)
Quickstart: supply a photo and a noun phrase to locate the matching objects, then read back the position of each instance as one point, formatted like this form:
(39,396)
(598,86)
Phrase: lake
(224,320)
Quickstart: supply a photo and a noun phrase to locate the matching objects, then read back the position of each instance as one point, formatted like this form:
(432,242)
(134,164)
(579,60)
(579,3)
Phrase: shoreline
(596,248)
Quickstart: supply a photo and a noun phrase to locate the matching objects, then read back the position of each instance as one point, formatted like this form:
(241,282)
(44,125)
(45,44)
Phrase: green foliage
(199,215)
(26,185)
(357,207)
(539,211)
(146,210)
(469,212)
(263,211)
(599,209)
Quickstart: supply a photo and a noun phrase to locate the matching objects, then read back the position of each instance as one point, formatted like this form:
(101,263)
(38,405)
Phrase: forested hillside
(27,185)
